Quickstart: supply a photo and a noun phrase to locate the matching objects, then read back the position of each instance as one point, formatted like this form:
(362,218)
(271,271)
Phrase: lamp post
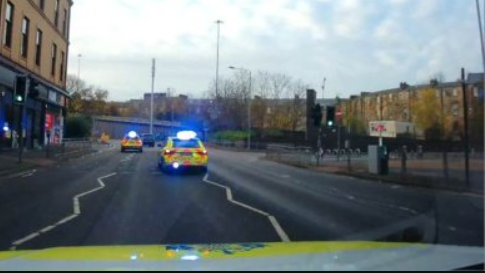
(219,23)
(249,101)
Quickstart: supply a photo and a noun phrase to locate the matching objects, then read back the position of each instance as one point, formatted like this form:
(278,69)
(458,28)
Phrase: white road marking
(452,229)
(274,222)
(408,210)
(22,174)
(47,229)
(284,237)
(26,239)
(76,213)
(350,197)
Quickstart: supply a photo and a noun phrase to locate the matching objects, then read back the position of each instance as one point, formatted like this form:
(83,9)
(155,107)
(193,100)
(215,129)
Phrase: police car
(185,151)
(132,142)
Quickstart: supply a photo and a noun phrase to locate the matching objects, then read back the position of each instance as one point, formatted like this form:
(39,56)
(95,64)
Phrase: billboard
(390,129)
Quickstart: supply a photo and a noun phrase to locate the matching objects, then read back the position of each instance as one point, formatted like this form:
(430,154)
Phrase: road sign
(391,129)
(339,114)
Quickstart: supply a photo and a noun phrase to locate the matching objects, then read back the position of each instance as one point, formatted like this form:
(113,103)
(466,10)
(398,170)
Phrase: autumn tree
(86,100)
(428,115)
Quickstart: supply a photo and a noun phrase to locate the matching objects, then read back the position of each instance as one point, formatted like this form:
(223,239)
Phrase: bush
(78,126)
(231,135)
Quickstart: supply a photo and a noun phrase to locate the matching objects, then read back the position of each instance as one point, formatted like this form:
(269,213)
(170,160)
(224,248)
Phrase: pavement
(109,198)
(427,173)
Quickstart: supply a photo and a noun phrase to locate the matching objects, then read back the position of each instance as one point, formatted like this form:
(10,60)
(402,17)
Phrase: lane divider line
(274,222)
(76,213)
(22,174)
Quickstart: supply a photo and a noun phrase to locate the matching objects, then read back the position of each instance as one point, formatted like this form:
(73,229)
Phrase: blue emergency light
(132,134)
(6,128)
(186,135)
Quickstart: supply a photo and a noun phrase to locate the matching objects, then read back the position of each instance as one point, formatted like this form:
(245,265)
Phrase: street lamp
(249,101)
(219,23)
(79,56)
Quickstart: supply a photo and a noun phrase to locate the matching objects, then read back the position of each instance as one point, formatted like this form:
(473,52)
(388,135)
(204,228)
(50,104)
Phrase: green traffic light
(330,123)
(19,98)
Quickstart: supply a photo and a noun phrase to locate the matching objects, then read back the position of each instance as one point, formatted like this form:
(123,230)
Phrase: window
(64,24)
(24,47)
(405,114)
(54,59)
(455,93)
(476,93)
(455,109)
(38,47)
(42,5)
(56,13)
(61,73)
(186,144)
(7,35)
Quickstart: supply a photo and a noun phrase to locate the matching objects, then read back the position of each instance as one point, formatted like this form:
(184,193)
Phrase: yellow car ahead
(132,142)
(185,151)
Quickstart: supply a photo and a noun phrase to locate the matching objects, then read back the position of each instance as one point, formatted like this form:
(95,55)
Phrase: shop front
(42,119)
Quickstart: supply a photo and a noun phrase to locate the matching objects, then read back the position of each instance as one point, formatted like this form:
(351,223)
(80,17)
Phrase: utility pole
(249,108)
(480,27)
(218,22)
(320,129)
(467,137)
(79,56)
(153,93)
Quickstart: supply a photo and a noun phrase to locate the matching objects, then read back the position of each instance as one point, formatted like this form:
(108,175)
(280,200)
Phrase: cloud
(357,44)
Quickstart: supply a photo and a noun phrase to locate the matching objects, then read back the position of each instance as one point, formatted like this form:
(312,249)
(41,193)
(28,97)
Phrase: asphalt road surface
(110,198)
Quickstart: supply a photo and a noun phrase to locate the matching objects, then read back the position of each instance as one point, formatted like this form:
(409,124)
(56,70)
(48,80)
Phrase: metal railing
(70,147)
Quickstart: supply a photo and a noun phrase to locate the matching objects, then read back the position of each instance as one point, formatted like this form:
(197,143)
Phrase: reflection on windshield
(325,122)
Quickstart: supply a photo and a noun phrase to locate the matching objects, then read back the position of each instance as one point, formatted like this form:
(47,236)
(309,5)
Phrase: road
(110,198)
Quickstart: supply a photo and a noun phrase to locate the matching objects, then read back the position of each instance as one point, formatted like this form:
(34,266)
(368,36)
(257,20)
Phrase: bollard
(445,165)
(404,160)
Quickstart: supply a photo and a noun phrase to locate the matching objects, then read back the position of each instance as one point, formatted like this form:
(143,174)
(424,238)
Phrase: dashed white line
(76,213)
(26,239)
(274,222)
(350,197)
(23,174)
(452,229)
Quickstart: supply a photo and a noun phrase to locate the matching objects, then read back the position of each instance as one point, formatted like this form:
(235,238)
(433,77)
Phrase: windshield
(127,138)
(241,123)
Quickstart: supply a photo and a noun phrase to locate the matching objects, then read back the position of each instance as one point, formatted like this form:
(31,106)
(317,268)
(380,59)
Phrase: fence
(71,148)
(239,145)
(424,169)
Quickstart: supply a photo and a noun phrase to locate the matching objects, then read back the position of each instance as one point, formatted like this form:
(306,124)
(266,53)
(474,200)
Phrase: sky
(357,45)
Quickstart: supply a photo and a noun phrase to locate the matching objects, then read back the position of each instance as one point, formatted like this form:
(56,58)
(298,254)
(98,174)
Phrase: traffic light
(331,122)
(317,115)
(20,91)
(34,90)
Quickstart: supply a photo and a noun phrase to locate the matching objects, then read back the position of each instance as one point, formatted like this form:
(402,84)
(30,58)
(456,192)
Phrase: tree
(428,116)
(88,100)
(78,126)
(277,102)
(477,122)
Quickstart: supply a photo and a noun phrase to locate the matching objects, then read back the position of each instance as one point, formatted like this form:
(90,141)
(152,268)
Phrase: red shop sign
(49,121)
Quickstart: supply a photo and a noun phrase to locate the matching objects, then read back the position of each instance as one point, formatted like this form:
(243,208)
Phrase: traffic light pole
(21,113)
(339,129)
(319,145)
(466,125)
